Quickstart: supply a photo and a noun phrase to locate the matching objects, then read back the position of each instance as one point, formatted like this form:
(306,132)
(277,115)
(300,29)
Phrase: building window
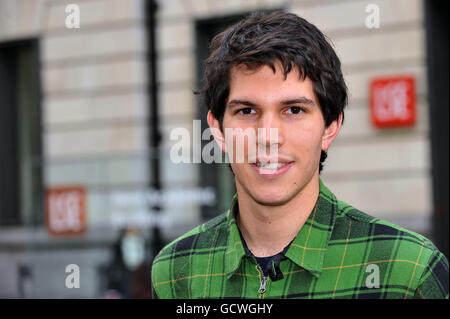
(21,195)
(216,175)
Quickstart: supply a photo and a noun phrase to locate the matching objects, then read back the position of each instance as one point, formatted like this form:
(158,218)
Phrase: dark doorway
(436,23)
(21,194)
(216,175)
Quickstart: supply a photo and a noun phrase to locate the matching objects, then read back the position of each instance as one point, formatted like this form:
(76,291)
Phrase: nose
(270,131)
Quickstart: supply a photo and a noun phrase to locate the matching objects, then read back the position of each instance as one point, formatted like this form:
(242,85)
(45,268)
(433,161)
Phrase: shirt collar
(309,247)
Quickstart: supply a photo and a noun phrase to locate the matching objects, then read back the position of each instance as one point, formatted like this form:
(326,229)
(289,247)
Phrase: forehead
(263,83)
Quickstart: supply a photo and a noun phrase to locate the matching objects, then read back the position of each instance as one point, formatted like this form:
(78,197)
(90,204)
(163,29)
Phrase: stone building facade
(95,109)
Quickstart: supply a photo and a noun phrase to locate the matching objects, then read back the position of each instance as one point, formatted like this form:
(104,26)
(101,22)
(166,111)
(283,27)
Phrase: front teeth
(271,165)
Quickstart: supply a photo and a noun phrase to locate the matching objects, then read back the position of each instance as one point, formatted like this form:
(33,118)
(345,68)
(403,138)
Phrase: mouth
(272,169)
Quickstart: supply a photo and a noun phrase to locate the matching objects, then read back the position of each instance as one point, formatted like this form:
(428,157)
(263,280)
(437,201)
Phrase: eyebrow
(298,100)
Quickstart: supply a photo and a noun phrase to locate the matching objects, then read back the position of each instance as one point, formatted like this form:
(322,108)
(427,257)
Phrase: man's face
(263,99)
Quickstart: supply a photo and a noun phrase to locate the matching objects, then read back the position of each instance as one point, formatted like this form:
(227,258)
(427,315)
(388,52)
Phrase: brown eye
(246,111)
(294,110)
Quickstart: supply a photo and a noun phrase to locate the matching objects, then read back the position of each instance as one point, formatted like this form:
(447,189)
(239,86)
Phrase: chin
(272,198)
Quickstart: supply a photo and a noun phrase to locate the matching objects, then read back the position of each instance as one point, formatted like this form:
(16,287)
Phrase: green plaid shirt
(340,252)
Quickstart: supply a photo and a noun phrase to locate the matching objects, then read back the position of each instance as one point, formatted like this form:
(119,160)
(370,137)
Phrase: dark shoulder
(198,238)
(364,226)
(174,261)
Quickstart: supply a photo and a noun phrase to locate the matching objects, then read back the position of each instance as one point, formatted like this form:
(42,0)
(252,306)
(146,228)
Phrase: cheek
(239,138)
(306,144)
(242,147)
(306,138)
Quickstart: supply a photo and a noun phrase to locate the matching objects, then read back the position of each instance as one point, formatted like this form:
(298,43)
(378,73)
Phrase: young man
(285,234)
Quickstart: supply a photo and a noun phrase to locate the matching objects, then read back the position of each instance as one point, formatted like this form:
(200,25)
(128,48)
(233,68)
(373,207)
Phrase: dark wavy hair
(264,38)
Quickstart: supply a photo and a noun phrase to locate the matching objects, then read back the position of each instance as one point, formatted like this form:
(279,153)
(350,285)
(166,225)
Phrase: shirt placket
(263,280)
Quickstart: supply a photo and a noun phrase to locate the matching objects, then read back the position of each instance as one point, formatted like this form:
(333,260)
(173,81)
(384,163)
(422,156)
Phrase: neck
(267,230)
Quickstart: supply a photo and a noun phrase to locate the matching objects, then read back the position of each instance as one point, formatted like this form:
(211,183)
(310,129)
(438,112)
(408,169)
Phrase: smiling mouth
(272,166)
(272,170)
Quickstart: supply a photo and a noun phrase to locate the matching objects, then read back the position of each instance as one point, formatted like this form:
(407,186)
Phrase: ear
(331,132)
(216,131)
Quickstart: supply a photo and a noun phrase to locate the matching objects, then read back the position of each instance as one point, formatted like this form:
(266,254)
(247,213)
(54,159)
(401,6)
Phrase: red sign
(392,101)
(66,210)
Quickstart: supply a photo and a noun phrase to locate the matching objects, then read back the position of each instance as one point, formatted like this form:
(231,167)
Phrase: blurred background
(90,92)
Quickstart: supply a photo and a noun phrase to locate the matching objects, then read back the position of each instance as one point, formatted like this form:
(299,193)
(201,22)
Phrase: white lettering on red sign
(392,102)
(66,211)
